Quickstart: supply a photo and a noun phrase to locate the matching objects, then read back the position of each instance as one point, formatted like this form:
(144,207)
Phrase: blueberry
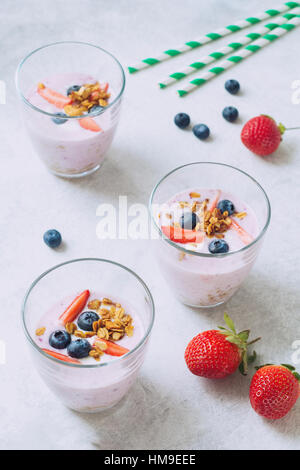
(52,238)
(226,205)
(86,319)
(95,108)
(59,339)
(218,246)
(201,131)
(232,86)
(189,220)
(59,120)
(182,120)
(79,348)
(230,114)
(73,88)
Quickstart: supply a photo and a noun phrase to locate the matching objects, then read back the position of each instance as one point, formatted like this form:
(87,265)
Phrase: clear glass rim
(209,255)
(102,111)
(88,366)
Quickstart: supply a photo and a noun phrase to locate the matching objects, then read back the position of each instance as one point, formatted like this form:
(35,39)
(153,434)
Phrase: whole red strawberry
(274,390)
(262,135)
(214,354)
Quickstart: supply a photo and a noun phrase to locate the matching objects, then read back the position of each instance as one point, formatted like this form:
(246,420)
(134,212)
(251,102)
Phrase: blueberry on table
(60,119)
(95,109)
(226,206)
(189,220)
(218,246)
(182,120)
(201,131)
(86,319)
(52,238)
(59,339)
(230,114)
(79,348)
(73,88)
(232,86)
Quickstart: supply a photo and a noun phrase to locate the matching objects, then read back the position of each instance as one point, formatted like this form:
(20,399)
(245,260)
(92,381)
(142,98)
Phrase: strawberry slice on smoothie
(180,235)
(215,201)
(111,348)
(244,236)
(89,124)
(75,308)
(61,357)
(52,96)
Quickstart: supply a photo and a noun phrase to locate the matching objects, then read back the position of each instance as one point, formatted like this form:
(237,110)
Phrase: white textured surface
(168,408)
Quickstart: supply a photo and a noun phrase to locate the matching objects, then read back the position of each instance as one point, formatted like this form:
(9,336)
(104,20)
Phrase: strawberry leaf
(252,358)
(244,335)
(281,128)
(229,323)
(263,365)
(242,368)
(289,367)
(295,374)
(234,340)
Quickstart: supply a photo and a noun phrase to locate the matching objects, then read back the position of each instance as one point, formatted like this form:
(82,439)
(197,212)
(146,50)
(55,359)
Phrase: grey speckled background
(168,408)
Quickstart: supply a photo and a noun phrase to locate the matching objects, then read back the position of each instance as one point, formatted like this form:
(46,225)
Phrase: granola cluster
(113,325)
(89,95)
(213,222)
(216,223)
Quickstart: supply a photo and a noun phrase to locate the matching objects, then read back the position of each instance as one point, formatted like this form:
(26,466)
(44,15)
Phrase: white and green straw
(232,28)
(243,54)
(233,46)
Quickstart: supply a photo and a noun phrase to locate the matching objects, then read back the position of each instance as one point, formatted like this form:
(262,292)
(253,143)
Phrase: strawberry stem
(253,341)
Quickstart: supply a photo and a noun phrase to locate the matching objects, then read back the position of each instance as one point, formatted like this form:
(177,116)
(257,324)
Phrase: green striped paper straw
(234,59)
(219,54)
(150,61)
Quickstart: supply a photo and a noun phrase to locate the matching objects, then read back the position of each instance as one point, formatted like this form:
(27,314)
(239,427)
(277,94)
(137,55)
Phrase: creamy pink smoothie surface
(205,281)
(88,389)
(67,148)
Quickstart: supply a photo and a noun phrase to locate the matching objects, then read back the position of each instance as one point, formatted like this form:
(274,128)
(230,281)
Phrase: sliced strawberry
(113,349)
(244,236)
(61,357)
(104,87)
(179,235)
(89,124)
(215,201)
(75,308)
(53,97)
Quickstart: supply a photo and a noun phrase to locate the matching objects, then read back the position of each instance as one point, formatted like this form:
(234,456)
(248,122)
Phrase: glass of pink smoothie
(204,252)
(85,384)
(71,144)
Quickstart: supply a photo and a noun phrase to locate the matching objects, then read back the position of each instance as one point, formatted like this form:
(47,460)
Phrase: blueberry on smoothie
(218,246)
(86,319)
(95,108)
(189,220)
(59,339)
(226,206)
(79,348)
(230,113)
(182,120)
(52,238)
(60,118)
(73,88)
(232,86)
(201,131)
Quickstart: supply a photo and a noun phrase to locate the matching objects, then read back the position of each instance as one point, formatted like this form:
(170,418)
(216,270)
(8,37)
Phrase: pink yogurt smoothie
(205,281)
(67,149)
(89,389)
